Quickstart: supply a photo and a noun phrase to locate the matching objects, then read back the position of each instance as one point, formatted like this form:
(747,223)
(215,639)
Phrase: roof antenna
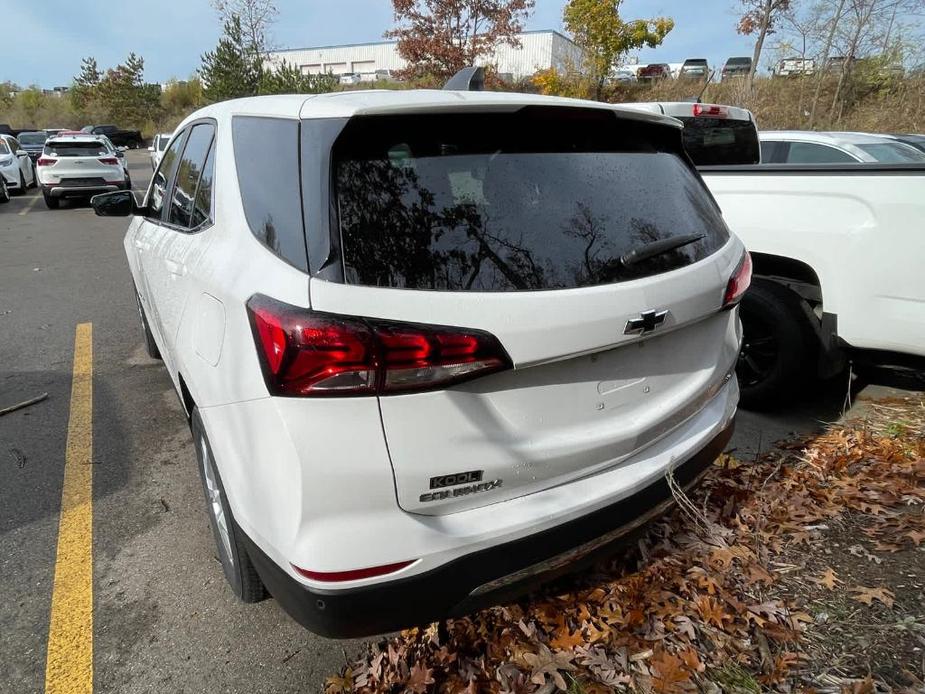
(469,79)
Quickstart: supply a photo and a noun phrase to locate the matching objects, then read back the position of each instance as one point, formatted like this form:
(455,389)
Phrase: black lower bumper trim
(446,590)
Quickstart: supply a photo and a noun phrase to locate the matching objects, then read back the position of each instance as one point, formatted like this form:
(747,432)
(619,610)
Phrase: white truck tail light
(739,282)
(307,353)
(710,111)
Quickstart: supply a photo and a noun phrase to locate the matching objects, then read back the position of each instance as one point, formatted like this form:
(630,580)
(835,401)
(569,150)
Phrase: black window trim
(169,193)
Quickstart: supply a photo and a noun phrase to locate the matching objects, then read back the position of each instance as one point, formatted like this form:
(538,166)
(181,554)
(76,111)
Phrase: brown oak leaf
(548,663)
(828,579)
(868,595)
(420,677)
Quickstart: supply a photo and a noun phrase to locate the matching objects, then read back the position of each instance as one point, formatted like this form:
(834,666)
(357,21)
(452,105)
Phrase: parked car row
(694,69)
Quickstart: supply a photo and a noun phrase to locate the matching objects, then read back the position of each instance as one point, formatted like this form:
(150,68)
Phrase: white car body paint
(15,167)
(311,480)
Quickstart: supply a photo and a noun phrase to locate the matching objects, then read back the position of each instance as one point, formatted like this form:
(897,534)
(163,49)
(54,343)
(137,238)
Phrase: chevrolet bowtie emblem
(646,323)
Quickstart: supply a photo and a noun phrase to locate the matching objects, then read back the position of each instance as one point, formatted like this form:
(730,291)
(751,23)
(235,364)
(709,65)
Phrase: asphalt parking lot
(162,619)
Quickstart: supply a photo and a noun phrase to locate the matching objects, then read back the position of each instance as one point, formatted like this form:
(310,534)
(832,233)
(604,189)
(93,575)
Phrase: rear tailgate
(81,163)
(515,224)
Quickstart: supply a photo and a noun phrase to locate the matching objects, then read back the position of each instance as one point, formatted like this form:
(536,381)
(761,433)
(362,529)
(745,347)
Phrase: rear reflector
(739,282)
(710,111)
(45,161)
(307,353)
(355,574)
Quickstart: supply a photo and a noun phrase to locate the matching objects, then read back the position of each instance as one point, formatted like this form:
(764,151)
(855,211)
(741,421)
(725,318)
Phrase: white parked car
(434,346)
(16,167)
(809,147)
(158,147)
(79,166)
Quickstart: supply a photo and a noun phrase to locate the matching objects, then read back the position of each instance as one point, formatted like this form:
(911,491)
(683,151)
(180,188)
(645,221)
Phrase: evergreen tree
(83,91)
(286,78)
(234,68)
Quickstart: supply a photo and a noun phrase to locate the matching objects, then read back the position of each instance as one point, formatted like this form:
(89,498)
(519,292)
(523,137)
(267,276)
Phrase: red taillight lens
(353,575)
(111,161)
(45,161)
(738,283)
(308,353)
(710,111)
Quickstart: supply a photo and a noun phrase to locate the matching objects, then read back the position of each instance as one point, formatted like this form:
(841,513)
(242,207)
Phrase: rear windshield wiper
(650,250)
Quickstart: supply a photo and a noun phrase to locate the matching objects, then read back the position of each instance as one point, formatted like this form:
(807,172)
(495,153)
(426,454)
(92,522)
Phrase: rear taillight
(710,111)
(45,161)
(308,353)
(738,283)
(111,161)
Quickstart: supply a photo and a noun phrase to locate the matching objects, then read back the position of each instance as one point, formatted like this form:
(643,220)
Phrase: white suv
(433,345)
(78,166)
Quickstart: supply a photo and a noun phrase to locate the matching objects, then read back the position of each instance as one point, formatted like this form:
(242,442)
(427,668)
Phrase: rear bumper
(56,191)
(489,576)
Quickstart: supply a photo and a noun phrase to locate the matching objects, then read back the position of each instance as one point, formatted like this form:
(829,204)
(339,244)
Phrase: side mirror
(119,203)
(150,149)
(21,153)
(120,154)
(121,148)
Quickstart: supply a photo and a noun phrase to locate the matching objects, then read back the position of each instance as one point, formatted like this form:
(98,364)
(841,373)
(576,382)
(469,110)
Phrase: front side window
(188,172)
(538,199)
(163,178)
(3,148)
(812,153)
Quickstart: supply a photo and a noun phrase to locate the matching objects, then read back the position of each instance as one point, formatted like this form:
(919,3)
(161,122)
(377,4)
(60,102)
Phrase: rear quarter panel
(862,232)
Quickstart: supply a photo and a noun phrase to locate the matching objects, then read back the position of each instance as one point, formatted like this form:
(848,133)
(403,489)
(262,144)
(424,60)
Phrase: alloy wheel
(214,494)
(759,353)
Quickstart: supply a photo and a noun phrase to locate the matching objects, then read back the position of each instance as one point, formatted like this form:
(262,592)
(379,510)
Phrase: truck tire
(778,346)
(239,571)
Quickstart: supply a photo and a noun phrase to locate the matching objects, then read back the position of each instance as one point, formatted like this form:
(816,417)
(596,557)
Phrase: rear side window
(721,141)
(188,172)
(811,153)
(539,199)
(64,148)
(266,152)
(163,178)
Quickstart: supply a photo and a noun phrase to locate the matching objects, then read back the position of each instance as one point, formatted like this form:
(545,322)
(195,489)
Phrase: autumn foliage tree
(759,17)
(438,38)
(605,37)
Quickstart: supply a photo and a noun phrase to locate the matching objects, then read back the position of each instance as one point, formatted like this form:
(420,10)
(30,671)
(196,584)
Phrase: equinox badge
(646,323)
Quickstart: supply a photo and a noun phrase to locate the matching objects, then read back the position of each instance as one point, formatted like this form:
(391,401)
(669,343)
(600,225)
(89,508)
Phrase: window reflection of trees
(402,228)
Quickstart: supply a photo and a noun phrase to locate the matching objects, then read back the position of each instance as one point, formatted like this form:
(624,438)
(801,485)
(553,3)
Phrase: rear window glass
(891,153)
(540,199)
(32,138)
(75,149)
(721,141)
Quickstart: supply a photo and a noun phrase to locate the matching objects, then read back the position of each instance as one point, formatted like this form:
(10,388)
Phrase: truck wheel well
(771,266)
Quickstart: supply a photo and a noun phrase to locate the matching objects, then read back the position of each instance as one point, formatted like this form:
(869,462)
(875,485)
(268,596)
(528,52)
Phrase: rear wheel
(50,202)
(150,344)
(4,191)
(238,568)
(22,184)
(35,178)
(777,345)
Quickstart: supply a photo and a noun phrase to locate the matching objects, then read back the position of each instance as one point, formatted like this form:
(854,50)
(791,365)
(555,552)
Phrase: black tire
(50,202)
(239,570)
(22,185)
(150,344)
(4,191)
(35,178)
(778,346)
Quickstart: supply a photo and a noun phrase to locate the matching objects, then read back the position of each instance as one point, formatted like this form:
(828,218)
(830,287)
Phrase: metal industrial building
(538,50)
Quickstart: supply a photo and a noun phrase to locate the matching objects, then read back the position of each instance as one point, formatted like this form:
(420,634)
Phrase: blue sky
(172,40)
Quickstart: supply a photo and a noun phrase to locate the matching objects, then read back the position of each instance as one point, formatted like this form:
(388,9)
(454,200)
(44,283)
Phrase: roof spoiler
(469,79)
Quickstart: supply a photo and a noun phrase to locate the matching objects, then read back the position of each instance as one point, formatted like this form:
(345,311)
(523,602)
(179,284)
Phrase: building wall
(539,50)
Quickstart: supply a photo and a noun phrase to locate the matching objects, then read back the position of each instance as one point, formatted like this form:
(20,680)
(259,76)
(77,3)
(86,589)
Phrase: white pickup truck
(838,254)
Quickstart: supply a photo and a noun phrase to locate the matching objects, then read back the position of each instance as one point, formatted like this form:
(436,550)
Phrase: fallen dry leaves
(697,600)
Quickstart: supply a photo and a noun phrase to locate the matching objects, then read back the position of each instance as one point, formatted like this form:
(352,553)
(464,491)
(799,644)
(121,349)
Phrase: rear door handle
(175,268)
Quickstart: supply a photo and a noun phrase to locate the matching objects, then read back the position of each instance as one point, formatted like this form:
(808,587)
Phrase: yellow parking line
(29,205)
(69,667)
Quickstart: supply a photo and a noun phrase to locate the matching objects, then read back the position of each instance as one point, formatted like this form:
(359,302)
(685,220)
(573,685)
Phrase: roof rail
(469,79)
